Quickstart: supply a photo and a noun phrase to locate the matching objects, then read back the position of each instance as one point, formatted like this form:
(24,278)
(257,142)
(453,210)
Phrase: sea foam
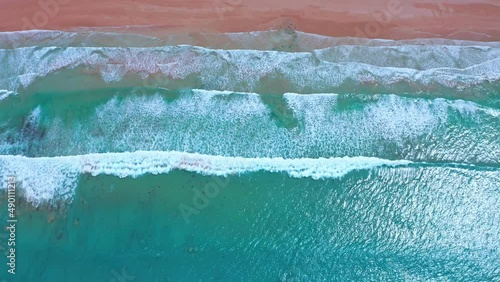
(5,94)
(462,71)
(44,179)
(252,126)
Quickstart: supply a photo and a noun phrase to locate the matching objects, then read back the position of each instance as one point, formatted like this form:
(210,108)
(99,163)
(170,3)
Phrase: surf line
(11,224)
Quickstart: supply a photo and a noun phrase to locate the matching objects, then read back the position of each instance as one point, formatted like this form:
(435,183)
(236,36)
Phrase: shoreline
(286,40)
(477,20)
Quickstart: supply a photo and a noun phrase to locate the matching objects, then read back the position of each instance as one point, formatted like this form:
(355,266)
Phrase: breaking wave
(466,72)
(44,179)
(250,125)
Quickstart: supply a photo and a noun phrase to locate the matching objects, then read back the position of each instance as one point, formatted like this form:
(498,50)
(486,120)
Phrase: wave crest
(44,179)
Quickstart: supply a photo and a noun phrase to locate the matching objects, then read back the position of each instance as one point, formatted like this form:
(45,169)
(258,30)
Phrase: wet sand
(392,19)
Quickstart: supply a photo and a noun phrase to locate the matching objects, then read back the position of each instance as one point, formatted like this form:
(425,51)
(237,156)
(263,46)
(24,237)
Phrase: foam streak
(46,178)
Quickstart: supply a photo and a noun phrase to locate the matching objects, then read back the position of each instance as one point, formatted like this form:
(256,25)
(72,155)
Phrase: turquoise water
(375,162)
(417,223)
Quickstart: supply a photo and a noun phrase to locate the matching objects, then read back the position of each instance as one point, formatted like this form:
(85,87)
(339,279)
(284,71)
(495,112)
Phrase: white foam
(246,125)
(44,179)
(5,94)
(245,70)
(381,116)
(471,108)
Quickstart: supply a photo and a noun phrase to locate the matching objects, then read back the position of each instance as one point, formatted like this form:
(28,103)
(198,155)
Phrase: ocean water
(265,156)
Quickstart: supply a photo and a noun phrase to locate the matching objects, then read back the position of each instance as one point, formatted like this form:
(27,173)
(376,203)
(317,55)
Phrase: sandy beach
(392,19)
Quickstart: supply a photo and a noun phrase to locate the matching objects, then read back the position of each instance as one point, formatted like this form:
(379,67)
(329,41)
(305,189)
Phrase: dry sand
(394,19)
